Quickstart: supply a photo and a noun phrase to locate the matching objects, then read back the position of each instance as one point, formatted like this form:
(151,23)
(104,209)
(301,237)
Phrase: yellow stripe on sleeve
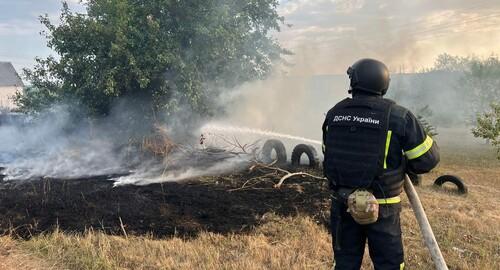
(420,149)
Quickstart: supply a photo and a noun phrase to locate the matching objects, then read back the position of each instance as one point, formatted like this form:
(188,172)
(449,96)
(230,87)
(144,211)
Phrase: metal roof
(9,76)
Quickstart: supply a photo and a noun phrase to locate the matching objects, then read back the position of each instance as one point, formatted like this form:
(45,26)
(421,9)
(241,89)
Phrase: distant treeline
(453,92)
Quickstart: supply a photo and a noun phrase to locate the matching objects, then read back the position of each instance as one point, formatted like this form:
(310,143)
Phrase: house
(10,82)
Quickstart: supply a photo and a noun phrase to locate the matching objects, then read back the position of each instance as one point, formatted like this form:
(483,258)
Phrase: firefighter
(369,143)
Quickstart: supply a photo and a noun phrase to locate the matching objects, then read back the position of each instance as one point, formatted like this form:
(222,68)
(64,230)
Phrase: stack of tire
(281,156)
(313,162)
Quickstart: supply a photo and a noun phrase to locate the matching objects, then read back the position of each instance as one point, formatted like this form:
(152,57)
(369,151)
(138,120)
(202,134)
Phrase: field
(214,223)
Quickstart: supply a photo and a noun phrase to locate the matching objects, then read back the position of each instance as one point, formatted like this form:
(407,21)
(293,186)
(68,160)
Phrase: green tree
(488,127)
(423,114)
(481,84)
(160,54)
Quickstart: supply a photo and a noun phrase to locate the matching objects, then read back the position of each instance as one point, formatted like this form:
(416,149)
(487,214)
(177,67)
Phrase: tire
(309,150)
(280,149)
(416,179)
(461,188)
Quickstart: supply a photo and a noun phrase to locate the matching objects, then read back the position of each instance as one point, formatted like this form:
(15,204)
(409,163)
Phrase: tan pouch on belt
(363,206)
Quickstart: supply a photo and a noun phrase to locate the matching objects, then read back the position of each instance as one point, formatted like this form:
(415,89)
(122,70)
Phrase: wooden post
(425,227)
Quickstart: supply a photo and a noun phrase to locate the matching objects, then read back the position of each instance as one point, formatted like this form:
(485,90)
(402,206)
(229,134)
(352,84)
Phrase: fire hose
(425,227)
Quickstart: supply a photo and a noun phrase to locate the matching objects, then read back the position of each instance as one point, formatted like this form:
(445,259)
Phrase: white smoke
(236,148)
(159,174)
(45,147)
(54,146)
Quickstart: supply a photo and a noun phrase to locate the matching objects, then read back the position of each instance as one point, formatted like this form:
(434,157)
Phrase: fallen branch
(268,166)
(255,180)
(287,175)
(236,146)
(278,185)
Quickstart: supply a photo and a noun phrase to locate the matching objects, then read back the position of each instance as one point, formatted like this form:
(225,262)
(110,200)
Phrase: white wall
(6,93)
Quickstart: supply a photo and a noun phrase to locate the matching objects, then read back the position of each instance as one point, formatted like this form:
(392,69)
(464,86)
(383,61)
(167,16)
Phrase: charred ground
(213,204)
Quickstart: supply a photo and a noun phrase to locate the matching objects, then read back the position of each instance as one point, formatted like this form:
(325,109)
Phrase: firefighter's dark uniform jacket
(403,146)
(371,142)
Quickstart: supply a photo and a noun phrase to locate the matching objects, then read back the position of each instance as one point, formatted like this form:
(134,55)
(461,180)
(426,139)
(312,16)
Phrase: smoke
(146,175)
(53,145)
(293,104)
(296,103)
(57,144)
(326,37)
(290,105)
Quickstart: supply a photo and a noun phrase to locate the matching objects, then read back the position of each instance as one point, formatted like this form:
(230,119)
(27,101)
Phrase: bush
(488,127)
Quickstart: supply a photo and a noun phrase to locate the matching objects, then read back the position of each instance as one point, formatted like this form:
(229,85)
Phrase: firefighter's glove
(363,207)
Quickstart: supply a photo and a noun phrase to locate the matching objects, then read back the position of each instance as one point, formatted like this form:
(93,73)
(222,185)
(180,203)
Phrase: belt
(391,200)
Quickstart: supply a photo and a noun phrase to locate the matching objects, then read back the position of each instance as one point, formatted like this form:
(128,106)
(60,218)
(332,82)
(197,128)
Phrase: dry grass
(14,258)
(297,243)
(467,228)
(158,142)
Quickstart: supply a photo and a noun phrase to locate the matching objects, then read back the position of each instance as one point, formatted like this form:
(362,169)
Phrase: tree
(478,82)
(161,55)
(447,62)
(481,84)
(422,115)
(488,127)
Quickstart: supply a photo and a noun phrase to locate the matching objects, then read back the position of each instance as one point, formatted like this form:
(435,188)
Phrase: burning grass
(212,223)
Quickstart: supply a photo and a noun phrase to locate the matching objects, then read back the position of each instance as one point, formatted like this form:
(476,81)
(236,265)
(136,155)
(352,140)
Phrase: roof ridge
(9,75)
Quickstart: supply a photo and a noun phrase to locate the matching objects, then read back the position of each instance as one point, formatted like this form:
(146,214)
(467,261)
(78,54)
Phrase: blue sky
(20,41)
(327,35)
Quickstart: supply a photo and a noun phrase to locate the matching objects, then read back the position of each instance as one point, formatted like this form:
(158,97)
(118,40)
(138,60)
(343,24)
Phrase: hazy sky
(327,35)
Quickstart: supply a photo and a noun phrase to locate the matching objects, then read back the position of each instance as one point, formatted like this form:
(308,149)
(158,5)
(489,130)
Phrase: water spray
(235,129)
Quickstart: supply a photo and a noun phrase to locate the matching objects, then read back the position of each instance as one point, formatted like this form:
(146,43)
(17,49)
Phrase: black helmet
(370,76)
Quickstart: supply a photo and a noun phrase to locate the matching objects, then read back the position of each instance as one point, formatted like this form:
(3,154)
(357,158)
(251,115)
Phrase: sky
(325,35)
(20,39)
(406,34)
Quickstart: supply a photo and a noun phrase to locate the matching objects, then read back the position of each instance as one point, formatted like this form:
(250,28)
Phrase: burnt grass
(169,209)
